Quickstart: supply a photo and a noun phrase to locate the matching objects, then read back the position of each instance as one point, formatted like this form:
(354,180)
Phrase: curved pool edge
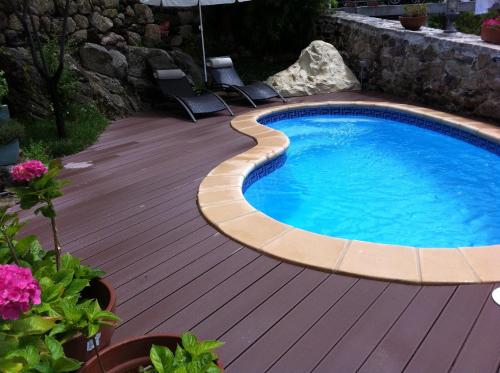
(221,201)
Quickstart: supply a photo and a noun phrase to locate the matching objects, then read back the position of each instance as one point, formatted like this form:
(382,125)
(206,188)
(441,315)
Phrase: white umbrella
(190,3)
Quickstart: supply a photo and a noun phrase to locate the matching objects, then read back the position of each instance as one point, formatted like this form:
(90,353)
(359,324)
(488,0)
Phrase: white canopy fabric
(191,3)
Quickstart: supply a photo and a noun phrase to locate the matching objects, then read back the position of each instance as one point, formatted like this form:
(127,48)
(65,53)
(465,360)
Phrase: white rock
(319,69)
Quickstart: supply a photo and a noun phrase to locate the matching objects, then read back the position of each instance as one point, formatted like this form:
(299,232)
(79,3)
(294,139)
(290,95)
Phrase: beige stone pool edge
(221,201)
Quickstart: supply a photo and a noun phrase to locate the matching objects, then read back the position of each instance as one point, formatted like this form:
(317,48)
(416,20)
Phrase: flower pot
(490,35)
(9,153)
(80,348)
(128,356)
(372,3)
(4,113)
(412,23)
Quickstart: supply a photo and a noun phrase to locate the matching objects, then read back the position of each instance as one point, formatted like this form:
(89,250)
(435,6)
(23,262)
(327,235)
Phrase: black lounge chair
(225,76)
(173,83)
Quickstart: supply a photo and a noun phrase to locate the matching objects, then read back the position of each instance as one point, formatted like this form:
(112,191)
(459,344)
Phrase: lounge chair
(225,76)
(173,83)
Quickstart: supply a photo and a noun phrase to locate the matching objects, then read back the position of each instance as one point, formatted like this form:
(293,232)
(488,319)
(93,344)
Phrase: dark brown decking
(134,214)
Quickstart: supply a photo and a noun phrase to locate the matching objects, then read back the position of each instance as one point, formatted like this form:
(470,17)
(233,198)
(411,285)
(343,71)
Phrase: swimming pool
(278,221)
(382,180)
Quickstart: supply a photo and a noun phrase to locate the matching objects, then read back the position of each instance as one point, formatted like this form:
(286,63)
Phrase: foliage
(32,343)
(4,88)
(10,130)
(334,4)
(84,124)
(37,150)
(67,82)
(263,26)
(415,10)
(192,357)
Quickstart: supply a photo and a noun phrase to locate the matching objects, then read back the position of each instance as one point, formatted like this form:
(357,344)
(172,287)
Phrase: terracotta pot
(128,356)
(490,35)
(80,348)
(412,23)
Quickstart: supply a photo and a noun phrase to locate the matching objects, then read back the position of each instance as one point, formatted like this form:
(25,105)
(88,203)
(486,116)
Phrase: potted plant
(10,133)
(490,30)
(24,330)
(157,354)
(72,295)
(415,16)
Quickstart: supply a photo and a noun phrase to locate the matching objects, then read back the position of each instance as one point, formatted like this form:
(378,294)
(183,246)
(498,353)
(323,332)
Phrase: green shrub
(37,150)
(4,88)
(415,10)
(10,130)
(84,124)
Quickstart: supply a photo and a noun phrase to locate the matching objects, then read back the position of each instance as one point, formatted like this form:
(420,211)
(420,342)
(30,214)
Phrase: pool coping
(221,201)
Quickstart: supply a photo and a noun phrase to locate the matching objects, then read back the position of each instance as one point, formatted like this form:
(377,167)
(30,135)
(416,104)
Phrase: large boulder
(107,62)
(319,69)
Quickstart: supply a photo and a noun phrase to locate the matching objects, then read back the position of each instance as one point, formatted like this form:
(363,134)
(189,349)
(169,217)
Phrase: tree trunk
(57,106)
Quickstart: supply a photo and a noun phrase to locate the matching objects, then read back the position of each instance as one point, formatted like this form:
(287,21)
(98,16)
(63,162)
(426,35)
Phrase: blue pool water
(379,180)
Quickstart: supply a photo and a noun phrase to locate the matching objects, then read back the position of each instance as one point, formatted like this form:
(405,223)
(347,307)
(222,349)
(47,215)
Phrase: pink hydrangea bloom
(18,290)
(28,171)
(492,23)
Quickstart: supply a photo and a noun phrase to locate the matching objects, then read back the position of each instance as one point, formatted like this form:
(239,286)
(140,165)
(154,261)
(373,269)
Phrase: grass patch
(84,124)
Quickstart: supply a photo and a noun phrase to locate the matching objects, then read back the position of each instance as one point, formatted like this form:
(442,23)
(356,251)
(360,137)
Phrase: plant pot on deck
(490,35)
(80,348)
(9,153)
(412,23)
(128,356)
(4,113)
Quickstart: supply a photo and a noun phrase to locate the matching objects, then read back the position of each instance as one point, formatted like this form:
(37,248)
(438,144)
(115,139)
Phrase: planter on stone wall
(490,35)
(413,23)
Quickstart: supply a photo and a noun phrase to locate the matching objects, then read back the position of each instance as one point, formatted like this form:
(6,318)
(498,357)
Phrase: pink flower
(18,290)
(28,171)
(492,23)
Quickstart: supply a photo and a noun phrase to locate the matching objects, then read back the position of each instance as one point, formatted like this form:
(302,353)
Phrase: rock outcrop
(108,55)
(319,69)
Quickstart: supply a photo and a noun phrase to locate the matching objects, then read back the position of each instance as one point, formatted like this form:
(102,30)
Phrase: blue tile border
(408,118)
(263,170)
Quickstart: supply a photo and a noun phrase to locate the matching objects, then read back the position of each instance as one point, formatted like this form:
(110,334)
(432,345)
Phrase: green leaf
(10,366)
(162,358)
(54,347)
(75,287)
(208,346)
(63,277)
(213,369)
(33,325)
(65,364)
(189,342)
(181,356)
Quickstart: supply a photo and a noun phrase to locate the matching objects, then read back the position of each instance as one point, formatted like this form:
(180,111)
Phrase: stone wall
(457,72)
(112,45)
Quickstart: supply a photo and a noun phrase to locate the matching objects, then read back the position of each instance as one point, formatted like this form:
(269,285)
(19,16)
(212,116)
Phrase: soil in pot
(413,23)
(80,348)
(9,153)
(490,35)
(128,356)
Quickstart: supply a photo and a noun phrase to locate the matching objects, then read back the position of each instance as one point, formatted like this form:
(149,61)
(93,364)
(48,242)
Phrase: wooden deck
(134,214)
